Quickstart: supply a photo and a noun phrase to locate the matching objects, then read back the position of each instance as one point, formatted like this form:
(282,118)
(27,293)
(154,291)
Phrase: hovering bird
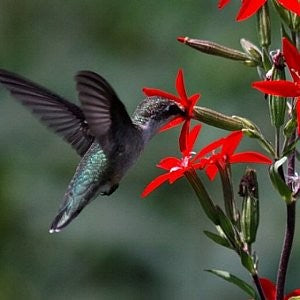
(101,131)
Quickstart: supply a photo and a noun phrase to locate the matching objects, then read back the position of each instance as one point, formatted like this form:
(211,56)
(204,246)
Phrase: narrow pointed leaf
(218,239)
(236,281)
(278,182)
(247,261)
(228,229)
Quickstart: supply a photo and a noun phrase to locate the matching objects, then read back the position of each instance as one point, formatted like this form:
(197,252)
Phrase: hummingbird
(100,131)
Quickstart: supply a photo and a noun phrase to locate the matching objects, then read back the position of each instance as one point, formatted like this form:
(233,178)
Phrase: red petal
(155,184)
(173,123)
(169,163)
(231,142)
(292,5)
(292,294)
(222,3)
(156,92)
(192,138)
(249,157)
(278,88)
(173,176)
(298,114)
(182,39)
(292,57)
(200,165)
(249,8)
(181,88)
(211,172)
(269,288)
(209,148)
(191,103)
(183,138)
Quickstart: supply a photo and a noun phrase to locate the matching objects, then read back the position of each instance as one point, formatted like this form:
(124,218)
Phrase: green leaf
(229,230)
(218,239)
(278,182)
(295,298)
(235,280)
(247,261)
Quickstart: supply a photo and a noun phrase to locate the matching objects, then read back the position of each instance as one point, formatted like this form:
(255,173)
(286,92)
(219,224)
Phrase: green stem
(286,250)
(229,202)
(202,195)
(277,143)
(258,286)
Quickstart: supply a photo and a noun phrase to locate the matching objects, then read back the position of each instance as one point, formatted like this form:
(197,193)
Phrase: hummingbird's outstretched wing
(101,106)
(62,116)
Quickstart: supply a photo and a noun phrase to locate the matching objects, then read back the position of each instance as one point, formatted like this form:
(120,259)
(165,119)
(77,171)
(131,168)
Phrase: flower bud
(250,206)
(277,105)
(216,119)
(252,51)
(264,26)
(212,48)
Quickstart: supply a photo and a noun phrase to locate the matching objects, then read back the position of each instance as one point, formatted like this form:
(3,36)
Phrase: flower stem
(289,230)
(286,250)
(229,201)
(277,143)
(203,197)
(258,286)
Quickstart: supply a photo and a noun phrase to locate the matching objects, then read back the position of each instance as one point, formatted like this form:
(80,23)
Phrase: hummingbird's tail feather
(64,217)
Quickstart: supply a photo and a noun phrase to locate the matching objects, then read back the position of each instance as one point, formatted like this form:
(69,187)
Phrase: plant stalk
(258,286)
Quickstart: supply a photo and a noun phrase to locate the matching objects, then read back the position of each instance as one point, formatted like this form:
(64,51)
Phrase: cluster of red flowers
(250,7)
(212,157)
(220,153)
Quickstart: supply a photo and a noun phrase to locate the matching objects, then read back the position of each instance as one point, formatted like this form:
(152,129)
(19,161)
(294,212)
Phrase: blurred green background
(122,247)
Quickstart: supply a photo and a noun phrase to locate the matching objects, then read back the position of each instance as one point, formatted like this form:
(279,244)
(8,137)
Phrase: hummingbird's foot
(112,189)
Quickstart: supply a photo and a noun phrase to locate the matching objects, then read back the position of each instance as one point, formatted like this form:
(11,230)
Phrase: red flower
(250,7)
(177,167)
(269,289)
(187,103)
(221,152)
(282,87)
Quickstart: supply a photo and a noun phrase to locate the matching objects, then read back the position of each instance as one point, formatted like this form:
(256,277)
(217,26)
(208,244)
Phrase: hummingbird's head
(153,113)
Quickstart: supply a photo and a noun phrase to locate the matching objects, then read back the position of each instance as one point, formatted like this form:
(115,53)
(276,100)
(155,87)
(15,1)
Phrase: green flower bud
(250,206)
(252,51)
(277,105)
(264,26)
(216,119)
(212,48)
